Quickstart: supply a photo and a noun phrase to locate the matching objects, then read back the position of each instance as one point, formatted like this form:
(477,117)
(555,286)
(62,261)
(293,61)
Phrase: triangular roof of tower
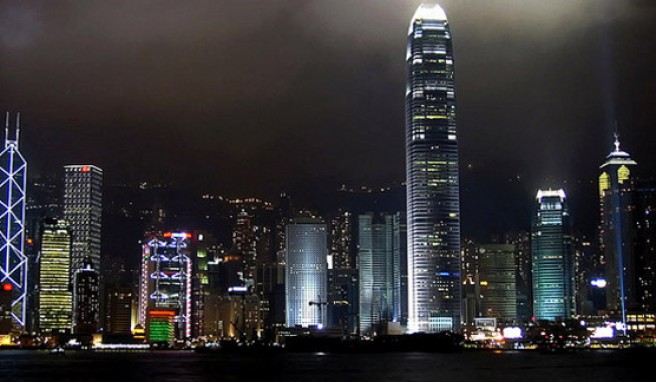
(618,156)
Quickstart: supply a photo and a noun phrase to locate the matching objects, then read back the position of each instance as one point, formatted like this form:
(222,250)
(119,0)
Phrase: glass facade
(13,262)
(433,202)
(55,297)
(379,271)
(553,258)
(306,289)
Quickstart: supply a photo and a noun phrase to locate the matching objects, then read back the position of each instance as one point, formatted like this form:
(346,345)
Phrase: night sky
(256,97)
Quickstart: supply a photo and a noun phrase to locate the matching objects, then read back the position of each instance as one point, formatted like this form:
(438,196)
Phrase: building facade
(86,284)
(379,271)
(166,279)
(432,180)
(553,262)
(616,233)
(83,211)
(306,290)
(13,262)
(55,299)
(498,281)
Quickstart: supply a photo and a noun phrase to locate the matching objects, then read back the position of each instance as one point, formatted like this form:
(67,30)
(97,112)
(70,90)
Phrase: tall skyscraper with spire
(13,262)
(616,229)
(432,181)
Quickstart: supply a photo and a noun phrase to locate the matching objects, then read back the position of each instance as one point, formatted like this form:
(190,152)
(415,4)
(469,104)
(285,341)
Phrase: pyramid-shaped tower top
(618,156)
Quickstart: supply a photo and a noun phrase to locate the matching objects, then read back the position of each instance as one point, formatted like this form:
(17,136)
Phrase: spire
(7,127)
(17,127)
(617,141)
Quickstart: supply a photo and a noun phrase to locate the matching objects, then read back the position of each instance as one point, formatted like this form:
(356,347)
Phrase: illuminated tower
(165,282)
(55,297)
(83,210)
(433,201)
(616,236)
(553,258)
(13,262)
(306,288)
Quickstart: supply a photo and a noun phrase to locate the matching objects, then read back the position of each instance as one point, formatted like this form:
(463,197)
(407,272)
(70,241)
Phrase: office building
(433,204)
(553,263)
(616,233)
(13,262)
(83,211)
(86,284)
(306,290)
(55,299)
(379,271)
(165,282)
(498,281)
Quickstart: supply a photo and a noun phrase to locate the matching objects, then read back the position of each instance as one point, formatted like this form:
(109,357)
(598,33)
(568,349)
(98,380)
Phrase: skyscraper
(498,281)
(83,211)
(55,297)
(306,290)
(553,258)
(433,201)
(86,284)
(165,281)
(616,234)
(379,271)
(13,262)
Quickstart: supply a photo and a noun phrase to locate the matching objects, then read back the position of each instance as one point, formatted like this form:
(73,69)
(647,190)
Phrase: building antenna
(7,127)
(617,138)
(17,127)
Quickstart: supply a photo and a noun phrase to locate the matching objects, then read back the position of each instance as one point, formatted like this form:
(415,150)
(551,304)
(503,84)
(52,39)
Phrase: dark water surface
(509,366)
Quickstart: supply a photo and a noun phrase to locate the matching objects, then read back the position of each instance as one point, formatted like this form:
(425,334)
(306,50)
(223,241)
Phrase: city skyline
(535,108)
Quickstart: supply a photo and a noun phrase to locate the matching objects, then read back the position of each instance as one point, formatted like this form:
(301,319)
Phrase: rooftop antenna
(617,138)
(7,127)
(17,127)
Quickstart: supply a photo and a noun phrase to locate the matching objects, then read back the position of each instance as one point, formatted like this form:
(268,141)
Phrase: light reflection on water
(162,366)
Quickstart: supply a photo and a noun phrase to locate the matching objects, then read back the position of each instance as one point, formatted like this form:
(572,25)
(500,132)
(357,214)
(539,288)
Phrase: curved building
(432,175)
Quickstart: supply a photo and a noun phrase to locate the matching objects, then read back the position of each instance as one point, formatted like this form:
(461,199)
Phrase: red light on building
(30,241)
(86,169)
(7,287)
(168,234)
(189,236)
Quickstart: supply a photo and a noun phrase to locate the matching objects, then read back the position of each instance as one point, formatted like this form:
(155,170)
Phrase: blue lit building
(553,258)
(306,278)
(432,180)
(617,234)
(379,253)
(13,262)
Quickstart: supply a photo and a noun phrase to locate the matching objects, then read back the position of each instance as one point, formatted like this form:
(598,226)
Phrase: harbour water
(182,366)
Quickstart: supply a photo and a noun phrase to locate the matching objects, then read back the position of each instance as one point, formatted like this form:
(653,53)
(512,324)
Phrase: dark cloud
(251,97)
